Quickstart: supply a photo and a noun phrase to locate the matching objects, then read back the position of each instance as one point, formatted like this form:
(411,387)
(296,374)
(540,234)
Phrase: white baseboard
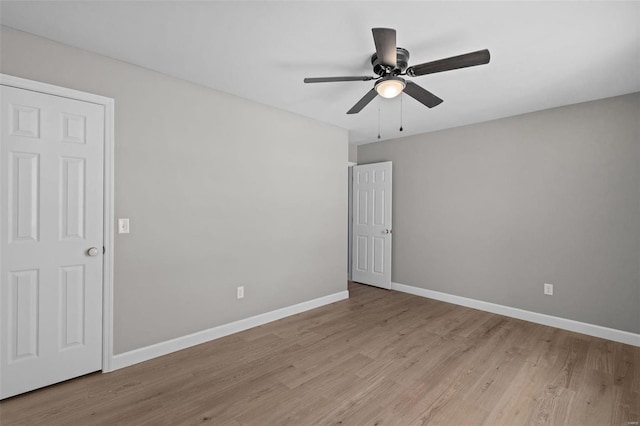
(163,348)
(563,323)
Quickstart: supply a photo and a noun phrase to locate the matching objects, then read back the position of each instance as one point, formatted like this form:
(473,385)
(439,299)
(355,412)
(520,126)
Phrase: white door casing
(371,259)
(350,219)
(52,210)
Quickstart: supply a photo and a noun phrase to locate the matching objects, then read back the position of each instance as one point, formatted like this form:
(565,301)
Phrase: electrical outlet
(240,292)
(548,289)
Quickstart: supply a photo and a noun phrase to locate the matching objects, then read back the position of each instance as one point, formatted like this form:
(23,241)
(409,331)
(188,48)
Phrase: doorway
(56,237)
(371,232)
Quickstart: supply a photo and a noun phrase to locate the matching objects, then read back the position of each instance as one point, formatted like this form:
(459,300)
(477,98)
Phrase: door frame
(353,224)
(108,213)
(350,165)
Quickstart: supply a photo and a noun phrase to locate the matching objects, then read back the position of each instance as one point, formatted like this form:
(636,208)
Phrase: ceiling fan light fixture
(390,87)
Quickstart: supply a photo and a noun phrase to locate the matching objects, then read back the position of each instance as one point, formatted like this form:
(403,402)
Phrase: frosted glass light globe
(390,87)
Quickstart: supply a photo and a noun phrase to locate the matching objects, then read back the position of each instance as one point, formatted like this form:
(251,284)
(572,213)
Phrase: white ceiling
(543,54)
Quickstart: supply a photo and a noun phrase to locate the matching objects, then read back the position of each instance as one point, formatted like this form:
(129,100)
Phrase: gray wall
(492,211)
(353,153)
(221,192)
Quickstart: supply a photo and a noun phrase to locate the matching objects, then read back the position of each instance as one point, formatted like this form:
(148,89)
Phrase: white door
(371,260)
(51,213)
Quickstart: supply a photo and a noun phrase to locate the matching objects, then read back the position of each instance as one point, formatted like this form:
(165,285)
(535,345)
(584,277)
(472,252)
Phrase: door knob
(93,251)
(386,231)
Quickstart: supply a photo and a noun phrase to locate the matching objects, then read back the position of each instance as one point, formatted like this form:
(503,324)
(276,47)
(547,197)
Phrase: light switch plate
(123,226)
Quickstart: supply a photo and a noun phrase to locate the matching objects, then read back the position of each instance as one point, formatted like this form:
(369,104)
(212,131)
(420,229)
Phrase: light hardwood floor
(379,358)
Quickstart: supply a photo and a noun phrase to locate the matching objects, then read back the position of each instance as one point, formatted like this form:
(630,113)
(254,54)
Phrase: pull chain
(400,111)
(378,119)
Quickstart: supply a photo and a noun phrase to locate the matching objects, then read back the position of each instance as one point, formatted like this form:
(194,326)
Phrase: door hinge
(104,249)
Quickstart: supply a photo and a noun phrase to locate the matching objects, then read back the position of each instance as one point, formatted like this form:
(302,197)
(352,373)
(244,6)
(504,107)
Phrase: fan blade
(333,79)
(385,40)
(461,61)
(421,95)
(363,102)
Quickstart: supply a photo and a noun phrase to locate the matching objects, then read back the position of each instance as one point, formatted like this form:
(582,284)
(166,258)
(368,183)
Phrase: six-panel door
(51,214)
(371,260)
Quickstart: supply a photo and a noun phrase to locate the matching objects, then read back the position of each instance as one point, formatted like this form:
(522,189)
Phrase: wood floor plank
(379,358)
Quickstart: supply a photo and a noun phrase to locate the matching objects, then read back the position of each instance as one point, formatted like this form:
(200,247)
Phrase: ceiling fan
(390,63)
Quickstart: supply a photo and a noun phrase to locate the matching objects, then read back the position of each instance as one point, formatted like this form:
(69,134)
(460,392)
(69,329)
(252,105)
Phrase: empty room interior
(319,212)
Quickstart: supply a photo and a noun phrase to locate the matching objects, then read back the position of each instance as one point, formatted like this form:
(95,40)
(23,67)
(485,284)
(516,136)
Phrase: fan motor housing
(402,61)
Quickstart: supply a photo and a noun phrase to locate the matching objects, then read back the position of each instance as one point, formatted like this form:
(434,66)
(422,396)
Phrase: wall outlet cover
(548,289)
